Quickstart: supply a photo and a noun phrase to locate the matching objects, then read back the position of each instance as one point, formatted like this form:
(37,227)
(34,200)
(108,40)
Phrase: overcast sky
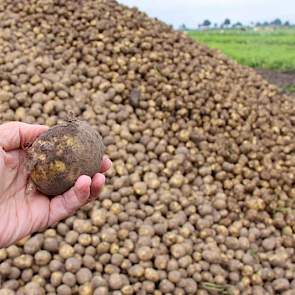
(193,12)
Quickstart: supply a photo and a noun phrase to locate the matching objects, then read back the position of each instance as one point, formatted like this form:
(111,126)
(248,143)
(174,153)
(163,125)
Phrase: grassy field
(273,50)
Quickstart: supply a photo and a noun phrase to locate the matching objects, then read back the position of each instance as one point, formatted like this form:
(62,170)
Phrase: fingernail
(10,161)
(103,178)
(106,158)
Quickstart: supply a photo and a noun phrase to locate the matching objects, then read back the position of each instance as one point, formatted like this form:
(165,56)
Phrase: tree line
(227,23)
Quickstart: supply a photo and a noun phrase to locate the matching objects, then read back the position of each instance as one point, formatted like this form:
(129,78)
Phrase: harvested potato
(63,153)
(6,291)
(33,289)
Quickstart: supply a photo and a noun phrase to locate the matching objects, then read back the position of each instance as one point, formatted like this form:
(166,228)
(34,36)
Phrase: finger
(97,184)
(105,164)
(67,204)
(11,159)
(15,135)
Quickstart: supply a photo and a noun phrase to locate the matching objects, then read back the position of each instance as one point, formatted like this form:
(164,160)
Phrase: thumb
(15,135)
(67,204)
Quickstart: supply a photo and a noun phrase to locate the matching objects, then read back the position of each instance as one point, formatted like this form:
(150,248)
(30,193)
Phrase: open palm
(23,210)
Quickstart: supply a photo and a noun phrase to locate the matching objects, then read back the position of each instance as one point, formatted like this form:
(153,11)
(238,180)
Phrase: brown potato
(63,153)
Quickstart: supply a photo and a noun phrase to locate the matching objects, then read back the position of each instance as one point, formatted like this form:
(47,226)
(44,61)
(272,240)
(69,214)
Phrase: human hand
(24,211)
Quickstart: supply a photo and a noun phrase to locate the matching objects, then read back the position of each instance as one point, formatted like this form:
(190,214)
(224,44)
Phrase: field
(272,51)
(268,50)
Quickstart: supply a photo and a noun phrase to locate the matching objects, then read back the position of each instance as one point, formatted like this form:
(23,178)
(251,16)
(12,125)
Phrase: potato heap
(200,198)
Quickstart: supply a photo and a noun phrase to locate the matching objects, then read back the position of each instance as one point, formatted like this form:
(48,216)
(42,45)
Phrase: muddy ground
(284,80)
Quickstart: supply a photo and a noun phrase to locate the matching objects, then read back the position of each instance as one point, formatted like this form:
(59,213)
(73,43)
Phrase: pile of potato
(200,198)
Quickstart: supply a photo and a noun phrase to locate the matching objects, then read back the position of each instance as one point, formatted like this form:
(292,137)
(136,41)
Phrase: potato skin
(59,156)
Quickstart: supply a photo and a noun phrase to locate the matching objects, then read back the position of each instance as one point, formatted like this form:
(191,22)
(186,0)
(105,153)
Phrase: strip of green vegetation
(269,50)
(217,288)
(289,88)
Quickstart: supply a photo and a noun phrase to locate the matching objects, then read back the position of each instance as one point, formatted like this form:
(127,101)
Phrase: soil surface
(281,79)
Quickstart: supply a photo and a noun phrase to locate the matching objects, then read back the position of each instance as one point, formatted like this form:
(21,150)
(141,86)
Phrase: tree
(277,22)
(183,27)
(238,25)
(265,24)
(226,22)
(206,23)
(287,24)
(258,24)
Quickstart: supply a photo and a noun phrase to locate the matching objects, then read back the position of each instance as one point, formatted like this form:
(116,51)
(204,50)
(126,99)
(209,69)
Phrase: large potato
(63,153)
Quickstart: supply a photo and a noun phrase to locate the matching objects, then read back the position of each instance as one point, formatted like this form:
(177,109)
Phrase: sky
(193,12)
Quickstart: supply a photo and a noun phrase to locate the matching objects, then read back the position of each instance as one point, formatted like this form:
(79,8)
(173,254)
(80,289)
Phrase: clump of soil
(59,156)
(200,197)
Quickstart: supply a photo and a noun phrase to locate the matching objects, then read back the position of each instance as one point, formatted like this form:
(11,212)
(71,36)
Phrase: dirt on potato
(62,154)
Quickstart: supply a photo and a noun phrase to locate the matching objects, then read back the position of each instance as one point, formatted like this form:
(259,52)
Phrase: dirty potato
(63,153)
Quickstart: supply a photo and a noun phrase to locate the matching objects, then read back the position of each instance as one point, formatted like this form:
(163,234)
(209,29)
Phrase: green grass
(269,50)
(289,88)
